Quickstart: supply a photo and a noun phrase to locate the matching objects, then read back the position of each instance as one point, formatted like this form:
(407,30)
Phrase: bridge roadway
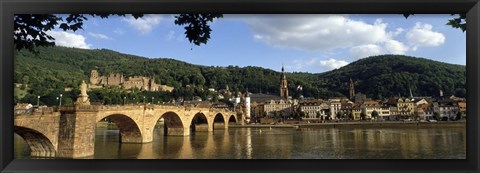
(69,131)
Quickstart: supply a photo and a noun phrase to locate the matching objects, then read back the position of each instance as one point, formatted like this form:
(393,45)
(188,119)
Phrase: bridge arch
(232,119)
(199,122)
(219,121)
(129,129)
(173,124)
(40,145)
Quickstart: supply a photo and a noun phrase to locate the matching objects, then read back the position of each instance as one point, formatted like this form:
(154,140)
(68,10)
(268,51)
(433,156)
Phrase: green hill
(55,68)
(393,75)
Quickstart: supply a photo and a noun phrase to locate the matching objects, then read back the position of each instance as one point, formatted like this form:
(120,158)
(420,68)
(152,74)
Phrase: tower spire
(411,95)
(283,85)
(352,89)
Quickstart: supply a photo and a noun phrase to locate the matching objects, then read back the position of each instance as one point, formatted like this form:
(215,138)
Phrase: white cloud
(333,63)
(387,47)
(66,39)
(395,47)
(99,36)
(314,64)
(301,64)
(143,24)
(330,32)
(363,51)
(316,32)
(170,35)
(422,35)
(398,31)
(119,31)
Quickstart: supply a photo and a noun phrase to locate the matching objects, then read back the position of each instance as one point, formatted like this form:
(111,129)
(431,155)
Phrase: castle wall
(114,79)
(117,79)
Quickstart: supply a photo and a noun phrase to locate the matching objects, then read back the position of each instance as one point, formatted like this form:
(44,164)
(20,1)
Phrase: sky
(312,43)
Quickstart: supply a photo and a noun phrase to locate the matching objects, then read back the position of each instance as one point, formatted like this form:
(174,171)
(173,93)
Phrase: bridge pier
(219,126)
(203,128)
(177,131)
(76,136)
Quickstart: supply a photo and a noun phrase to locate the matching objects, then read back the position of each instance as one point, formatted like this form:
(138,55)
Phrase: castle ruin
(117,79)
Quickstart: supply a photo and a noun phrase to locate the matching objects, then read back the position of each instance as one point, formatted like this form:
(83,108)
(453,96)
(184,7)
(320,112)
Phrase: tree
(318,115)
(30,30)
(459,115)
(350,115)
(375,114)
(363,114)
(339,115)
(280,115)
(437,116)
(302,114)
(275,113)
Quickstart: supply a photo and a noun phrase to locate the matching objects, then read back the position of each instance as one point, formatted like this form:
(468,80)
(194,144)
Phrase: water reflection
(284,143)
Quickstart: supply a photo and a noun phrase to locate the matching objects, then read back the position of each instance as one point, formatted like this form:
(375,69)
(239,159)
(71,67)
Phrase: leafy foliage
(459,21)
(197,30)
(30,29)
(53,69)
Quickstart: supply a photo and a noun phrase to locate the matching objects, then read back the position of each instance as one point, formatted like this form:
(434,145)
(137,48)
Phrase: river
(284,143)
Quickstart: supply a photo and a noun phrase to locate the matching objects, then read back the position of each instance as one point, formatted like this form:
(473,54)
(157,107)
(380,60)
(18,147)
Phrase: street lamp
(38,101)
(60,100)
(134,101)
(152,100)
(143,99)
(124,98)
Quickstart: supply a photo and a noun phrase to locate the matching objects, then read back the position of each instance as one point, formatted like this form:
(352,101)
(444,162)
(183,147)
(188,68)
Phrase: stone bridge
(69,131)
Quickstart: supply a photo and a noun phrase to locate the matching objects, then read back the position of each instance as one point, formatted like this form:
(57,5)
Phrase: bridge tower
(247,107)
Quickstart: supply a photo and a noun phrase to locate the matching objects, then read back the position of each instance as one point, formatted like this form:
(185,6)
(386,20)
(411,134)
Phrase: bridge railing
(35,111)
(74,108)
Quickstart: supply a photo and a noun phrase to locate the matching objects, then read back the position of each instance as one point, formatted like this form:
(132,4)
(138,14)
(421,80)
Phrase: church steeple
(352,89)
(283,85)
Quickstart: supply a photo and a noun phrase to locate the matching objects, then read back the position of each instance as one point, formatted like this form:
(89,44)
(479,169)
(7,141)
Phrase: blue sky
(303,43)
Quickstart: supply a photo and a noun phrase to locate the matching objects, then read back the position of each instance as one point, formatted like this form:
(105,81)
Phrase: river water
(284,143)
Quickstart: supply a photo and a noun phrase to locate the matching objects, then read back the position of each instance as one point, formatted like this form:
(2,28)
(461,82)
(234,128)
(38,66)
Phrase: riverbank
(389,124)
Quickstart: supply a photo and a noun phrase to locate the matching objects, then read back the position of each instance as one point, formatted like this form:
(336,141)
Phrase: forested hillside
(393,75)
(50,71)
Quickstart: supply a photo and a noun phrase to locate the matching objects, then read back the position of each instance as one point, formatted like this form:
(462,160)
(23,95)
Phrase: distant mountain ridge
(55,68)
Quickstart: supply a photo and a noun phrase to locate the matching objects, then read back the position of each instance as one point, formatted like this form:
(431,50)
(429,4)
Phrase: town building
(424,111)
(462,106)
(447,108)
(405,107)
(357,111)
(312,108)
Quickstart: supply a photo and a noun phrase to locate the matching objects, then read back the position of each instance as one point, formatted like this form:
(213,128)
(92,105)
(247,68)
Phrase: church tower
(283,85)
(352,89)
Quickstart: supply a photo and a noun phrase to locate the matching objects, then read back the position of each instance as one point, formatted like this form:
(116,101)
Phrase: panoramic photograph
(240,86)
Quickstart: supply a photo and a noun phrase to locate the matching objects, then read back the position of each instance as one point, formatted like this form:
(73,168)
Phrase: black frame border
(10,7)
